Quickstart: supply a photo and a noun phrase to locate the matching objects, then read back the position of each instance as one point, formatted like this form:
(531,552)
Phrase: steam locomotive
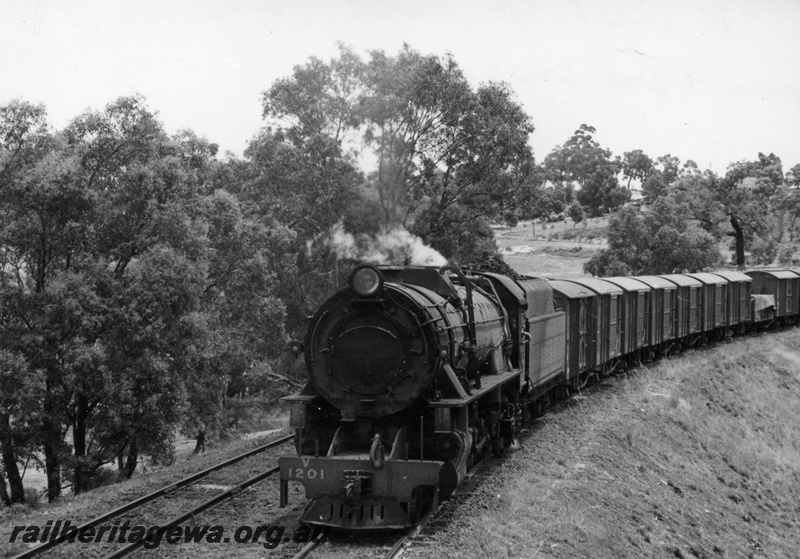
(416,373)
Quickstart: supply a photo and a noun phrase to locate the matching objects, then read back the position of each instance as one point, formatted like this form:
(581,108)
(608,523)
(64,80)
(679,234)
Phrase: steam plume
(396,247)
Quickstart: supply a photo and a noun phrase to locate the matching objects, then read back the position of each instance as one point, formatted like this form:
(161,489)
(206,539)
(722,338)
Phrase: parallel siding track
(164,491)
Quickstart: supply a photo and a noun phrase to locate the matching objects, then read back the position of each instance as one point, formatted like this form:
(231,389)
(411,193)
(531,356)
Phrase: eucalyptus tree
(636,165)
(790,199)
(744,196)
(582,161)
(104,260)
(444,153)
(44,215)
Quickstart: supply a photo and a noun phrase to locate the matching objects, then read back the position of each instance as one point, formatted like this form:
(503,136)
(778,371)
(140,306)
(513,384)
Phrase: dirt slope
(693,456)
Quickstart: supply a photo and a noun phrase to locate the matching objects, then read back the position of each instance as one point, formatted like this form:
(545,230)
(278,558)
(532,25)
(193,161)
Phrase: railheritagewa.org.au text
(64,531)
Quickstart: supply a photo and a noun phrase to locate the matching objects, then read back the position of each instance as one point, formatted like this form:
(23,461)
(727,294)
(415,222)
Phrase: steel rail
(38,550)
(230,493)
(309,547)
(397,548)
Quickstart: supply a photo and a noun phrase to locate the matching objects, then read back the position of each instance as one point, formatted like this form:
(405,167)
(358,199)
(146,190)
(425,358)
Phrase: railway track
(346,546)
(167,492)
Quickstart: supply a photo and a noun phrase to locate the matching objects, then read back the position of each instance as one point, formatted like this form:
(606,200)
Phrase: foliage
(654,186)
(743,196)
(442,149)
(466,238)
(660,241)
(786,256)
(20,392)
(531,199)
(787,201)
(583,233)
(575,212)
(582,161)
(636,165)
(126,286)
(763,250)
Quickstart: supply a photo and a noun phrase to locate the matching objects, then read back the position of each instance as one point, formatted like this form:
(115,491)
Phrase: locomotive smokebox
(375,347)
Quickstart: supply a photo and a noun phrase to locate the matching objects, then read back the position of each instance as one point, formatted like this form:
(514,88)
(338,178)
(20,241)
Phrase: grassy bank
(695,456)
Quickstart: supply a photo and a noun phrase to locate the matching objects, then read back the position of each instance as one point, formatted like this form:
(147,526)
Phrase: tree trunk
(10,464)
(131,460)
(738,235)
(4,498)
(52,465)
(52,450)
(781,220)
(200,446)
(79,446)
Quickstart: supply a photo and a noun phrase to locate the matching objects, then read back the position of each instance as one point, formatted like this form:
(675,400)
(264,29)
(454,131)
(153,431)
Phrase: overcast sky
(715,81)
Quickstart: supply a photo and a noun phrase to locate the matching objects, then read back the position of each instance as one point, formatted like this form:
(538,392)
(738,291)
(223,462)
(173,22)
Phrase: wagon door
(668,318)
(656,312)
(642,327)
(719,305)
(583,333)
(694,311)
(613,327)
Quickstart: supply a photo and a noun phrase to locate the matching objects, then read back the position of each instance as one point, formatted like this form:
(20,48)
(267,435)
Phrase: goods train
(416,373)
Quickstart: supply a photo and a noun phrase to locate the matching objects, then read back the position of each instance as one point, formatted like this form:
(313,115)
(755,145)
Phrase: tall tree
(103,262)
(670,167)
(584,162)
(20,388)
(743,196)
(790,199)
(44,212)
(636,165)
(444,153)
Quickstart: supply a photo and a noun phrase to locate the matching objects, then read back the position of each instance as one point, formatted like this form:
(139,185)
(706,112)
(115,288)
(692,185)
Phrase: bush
(786,256)
(583,233)
(32,498)
(662,241)
(763,251)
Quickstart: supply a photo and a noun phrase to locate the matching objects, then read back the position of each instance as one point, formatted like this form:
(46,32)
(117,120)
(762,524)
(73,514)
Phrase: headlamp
(366,280)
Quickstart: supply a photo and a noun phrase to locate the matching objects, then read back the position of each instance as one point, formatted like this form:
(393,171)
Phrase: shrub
(32,498)
(763,251)
(786,256)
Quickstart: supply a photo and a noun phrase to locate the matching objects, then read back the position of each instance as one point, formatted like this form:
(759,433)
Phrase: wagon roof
(628,284)
(777,274)
(682,280)
(599,286)
(709,279)
(656,282)
(571,290)
(734,276)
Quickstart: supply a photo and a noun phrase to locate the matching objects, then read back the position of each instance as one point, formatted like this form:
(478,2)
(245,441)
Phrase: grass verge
(695,456)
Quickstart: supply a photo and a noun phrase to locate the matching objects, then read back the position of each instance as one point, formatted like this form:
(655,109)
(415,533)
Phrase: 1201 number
(300,473)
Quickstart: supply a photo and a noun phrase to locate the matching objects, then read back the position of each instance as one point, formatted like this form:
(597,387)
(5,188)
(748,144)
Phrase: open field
(543,251)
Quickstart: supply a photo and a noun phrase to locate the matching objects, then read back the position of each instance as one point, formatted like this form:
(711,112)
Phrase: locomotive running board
(488,383)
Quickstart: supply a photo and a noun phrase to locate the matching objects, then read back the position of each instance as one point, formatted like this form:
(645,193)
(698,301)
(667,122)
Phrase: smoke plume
(396,247)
